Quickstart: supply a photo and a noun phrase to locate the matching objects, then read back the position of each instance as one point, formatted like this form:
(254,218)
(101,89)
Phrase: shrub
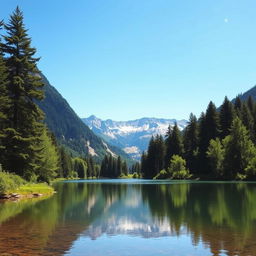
(10,182)
(177,168)
(135,175)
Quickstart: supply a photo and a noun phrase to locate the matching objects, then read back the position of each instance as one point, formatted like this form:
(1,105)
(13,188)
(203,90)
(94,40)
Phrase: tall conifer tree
(227,115)
(174,145)
(191,143)
(23,142)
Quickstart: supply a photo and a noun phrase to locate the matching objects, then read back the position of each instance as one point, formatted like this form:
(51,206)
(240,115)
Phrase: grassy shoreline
(14,187)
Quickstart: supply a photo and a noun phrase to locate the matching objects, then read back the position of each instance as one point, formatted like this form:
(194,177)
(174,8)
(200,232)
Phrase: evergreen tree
(49,163)
(247,119)
(125,169)
(155,157)
(23,143)
(80,166)
(174,144)
(238,106)
(66,166)
(215,154)
(119,166)
(239,150)
(212,122)
(90,167)
(4,101)
(191,142)
(103,168)
(208,129)
(144,163)
(227,115)
(250,103)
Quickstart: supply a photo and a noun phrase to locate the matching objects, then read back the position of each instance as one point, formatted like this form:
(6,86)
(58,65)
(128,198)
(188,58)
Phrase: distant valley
(132,136)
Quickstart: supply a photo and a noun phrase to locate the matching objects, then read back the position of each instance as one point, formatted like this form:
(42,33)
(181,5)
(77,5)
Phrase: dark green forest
(218,145)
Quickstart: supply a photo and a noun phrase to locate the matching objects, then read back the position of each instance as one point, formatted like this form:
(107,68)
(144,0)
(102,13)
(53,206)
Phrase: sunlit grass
(40,188)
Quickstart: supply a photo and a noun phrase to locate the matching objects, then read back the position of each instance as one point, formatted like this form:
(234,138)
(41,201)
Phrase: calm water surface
(133,217)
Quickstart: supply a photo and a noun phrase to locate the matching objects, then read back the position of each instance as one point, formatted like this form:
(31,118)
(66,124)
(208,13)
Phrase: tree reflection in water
(222,215)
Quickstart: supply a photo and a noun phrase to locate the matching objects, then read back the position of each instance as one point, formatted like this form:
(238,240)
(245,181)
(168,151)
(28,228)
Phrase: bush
(163,174)
(10,182)
(135,175)
(177,168)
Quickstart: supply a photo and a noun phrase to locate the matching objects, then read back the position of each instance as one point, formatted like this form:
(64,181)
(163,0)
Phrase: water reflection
(221,215)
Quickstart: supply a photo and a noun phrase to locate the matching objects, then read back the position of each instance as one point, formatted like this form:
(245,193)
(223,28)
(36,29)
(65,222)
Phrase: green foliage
(155,157)
(215,154)
(50,159)
(191,141)
(80,167)
(209,128)
(66,166)
(227,115)
(135,175)
(239,150)
(177,168)
(10,182)
(73,175)
(174,144)
(112,167)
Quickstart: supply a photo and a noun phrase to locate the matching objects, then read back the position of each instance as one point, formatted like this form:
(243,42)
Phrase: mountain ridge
(68,128)
(133,135)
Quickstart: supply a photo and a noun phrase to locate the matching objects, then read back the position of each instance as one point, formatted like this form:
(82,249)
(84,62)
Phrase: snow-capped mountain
(132,136)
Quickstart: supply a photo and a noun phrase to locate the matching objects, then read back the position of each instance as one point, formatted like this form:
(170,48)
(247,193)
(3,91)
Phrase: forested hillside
(218,145)
(69,128)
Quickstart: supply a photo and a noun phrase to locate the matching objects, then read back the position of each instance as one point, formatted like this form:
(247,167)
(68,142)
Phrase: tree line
(218,145)
(27,147)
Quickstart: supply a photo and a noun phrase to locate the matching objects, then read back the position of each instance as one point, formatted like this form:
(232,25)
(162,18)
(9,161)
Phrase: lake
(133,217)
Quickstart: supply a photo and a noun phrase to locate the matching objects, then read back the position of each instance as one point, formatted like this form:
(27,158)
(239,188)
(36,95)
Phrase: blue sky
(126,59)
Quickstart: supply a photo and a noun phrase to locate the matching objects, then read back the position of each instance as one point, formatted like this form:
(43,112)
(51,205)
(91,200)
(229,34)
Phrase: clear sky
(126,59)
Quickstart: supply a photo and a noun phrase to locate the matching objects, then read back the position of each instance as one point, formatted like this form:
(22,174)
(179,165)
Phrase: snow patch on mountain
(132,136)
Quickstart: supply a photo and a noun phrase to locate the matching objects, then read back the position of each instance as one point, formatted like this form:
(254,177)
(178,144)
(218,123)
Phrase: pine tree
(125,168)
(66,166)
(150,168)
(239,150)
(208,129)
(238,106)
(119,166)
(227,115)
(103,168)
(144,163)
(250,103)
(160,153)
(50,159)
(212,122)
(4,102)
(215,154)
(191,142)
(23,144)
(80,166)
(174,145)
(247,119)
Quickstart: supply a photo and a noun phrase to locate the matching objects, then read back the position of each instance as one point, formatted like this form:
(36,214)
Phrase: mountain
(68,128)
(132,136)
(244,96)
